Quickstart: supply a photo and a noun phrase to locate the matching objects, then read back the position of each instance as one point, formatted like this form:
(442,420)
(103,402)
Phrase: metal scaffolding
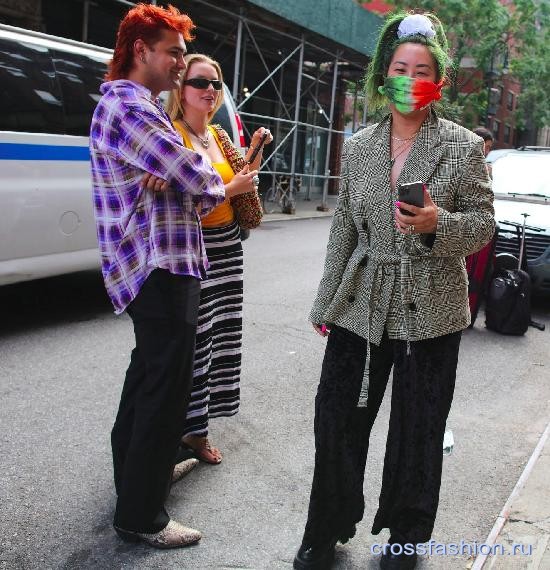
(296,81)
(299,56)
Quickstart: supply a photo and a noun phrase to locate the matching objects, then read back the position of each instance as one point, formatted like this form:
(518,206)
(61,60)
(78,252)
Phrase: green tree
(531,62)
(496,39)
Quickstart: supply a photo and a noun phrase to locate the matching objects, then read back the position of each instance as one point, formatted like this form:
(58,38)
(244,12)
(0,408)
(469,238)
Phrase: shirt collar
(127,83)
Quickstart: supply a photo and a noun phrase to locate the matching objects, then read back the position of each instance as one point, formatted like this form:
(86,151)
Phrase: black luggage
(508,305)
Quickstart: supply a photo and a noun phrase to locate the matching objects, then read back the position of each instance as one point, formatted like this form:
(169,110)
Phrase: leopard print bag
(246,207)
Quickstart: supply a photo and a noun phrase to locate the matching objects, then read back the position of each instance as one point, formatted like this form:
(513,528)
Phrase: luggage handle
(522,245)
(516,225)
(532,323)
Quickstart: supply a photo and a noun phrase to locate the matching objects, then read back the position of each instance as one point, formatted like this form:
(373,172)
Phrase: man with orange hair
(153,259)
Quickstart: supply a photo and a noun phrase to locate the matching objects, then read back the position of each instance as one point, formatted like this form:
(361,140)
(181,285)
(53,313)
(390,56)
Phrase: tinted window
(496,129)
(80,77)
(29,94)
(507,133)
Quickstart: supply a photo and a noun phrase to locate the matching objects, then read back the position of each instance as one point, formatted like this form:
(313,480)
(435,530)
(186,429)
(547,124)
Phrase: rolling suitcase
(508,304)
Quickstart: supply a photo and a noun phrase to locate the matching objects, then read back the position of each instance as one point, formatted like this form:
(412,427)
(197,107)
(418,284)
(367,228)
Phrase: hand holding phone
(424,220)
(411,193)
(257,148)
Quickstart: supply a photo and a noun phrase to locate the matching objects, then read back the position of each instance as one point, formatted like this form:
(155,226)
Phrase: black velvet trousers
(147,431)
(423,386)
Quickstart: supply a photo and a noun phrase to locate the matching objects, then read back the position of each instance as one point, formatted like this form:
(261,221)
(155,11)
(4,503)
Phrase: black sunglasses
(203,83)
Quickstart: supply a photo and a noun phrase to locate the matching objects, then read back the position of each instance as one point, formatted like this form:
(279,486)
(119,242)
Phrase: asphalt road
(63,355)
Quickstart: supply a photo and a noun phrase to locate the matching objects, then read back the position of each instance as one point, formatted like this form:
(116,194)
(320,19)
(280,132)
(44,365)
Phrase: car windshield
(522,174)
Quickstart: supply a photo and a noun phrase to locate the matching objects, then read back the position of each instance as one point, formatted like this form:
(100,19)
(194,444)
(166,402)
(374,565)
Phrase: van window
(222,117)
(53,91)
(31,100)
(79,77)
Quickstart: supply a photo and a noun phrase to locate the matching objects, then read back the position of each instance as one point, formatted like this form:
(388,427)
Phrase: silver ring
(256,180)
(411,228)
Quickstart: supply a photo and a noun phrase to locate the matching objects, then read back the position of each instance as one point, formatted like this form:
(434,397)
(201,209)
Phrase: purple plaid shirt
(140,230)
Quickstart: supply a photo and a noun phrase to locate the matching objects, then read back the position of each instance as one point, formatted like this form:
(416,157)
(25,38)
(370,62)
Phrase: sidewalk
(525,518)
(304,209)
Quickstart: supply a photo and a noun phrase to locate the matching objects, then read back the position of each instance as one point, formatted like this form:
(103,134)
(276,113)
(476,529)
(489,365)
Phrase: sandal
(203,449)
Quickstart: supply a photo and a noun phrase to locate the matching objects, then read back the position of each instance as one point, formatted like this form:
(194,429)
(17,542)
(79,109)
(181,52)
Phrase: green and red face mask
(409,94)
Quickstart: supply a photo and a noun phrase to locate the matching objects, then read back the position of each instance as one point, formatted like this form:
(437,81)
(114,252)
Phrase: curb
(286,217)
(505,512)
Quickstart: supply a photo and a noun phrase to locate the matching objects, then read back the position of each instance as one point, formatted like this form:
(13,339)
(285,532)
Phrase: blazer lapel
(425,153)
(374,159)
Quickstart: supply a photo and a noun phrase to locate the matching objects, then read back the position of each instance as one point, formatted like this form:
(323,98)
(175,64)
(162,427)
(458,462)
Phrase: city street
(63,355)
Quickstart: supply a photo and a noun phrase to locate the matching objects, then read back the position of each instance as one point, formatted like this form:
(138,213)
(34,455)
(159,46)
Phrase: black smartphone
(411,193)
(257,149)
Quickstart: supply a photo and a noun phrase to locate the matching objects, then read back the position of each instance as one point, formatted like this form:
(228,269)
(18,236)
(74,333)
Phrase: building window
(496,129)
(507,134)
(510,101)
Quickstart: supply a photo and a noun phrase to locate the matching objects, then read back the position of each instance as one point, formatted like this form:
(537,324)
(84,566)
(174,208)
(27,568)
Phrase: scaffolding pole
(354,120)
(323,207)
(364,121)
(236,69)
(85,20)
(313,154)
(290,206)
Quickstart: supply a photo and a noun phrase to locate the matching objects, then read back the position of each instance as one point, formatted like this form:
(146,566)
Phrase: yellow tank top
(221,215)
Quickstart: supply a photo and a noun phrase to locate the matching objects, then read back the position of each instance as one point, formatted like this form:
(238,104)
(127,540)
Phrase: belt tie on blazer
(405,261)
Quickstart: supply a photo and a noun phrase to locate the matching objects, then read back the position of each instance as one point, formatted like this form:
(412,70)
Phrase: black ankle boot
(320,557)
(402,561)
(315,557)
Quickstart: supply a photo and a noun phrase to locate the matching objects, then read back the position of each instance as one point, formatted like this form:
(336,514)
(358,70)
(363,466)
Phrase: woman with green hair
(394,295)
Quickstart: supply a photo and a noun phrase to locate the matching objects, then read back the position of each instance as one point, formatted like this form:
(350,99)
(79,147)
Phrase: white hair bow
(415,24)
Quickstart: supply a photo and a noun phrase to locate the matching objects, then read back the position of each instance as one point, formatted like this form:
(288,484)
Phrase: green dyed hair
(388,42)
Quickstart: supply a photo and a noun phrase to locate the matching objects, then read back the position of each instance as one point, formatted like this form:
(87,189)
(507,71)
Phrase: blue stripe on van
(17,151)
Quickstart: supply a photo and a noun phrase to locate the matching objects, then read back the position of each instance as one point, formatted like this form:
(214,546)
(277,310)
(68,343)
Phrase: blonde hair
(174,105)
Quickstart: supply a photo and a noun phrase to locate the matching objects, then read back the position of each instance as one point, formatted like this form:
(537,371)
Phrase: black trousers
(423,386)
(147,430)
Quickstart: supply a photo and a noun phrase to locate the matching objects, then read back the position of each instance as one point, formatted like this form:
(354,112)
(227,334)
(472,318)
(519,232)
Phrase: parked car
(499,153)
(50,87)
(521,183)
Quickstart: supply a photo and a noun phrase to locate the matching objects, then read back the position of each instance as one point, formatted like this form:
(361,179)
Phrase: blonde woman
(217,367)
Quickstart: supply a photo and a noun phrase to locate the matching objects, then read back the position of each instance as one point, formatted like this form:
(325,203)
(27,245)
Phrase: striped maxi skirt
(217,368)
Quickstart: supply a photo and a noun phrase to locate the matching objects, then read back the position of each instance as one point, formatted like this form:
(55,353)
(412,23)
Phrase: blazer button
(365,226)
(412,306)
(351,298)
(364,261)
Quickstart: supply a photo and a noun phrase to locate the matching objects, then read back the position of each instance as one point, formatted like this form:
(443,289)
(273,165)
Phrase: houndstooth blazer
(375,276)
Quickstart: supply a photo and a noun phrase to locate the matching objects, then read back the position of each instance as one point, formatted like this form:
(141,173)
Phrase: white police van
(49,89)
